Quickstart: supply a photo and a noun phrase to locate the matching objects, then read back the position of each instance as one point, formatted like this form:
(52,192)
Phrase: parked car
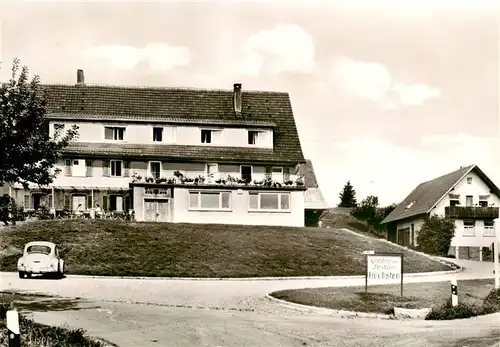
(40,257)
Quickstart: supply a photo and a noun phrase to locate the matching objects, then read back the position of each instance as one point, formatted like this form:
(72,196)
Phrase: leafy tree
(28,152)
(367,210)
(348,196)
(435,235)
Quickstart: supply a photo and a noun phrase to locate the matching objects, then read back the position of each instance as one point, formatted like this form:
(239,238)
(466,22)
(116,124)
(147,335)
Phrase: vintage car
(40,257)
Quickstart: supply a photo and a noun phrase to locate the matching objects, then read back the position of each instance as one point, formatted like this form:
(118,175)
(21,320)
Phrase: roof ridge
(450,173)
(194,89)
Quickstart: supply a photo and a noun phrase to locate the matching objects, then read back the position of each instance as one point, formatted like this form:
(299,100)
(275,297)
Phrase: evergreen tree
(28,152)
(348,196)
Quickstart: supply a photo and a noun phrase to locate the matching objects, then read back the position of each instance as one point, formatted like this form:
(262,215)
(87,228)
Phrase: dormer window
(58,127)
(206,136)
(157,134)
(210,135)
(253,137)
(114,133)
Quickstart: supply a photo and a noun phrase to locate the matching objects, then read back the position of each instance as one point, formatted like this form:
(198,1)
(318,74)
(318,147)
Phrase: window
(211,171)
(158,134)
(206,136)
(58,128)
(454,202)
(489,228)
(246,173)
(469,180)
(253,137)
(483,203)
(155,169)
(78,168)
(277,173)
(469,226)
(116,168)
(269,201)
(468,200)
(114,133)
(116,203)
(209,200)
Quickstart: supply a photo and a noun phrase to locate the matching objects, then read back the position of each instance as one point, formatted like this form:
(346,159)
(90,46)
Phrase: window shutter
(67,168)
(268,172)
(126,168)
(286,174)
(50,201)
(67,202)
(88,167)
(89,201)
(105,203)
(105,168)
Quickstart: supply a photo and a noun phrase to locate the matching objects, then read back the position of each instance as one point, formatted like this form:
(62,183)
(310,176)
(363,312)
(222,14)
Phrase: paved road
(236,313)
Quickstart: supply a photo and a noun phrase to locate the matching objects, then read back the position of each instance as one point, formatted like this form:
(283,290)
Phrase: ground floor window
(199,200)
(36,200)
(489,228)
(269,201)
(79,202)
(116,203)
(469,228)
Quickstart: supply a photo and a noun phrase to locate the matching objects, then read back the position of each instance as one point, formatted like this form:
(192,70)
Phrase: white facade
(471,191)
(168,134)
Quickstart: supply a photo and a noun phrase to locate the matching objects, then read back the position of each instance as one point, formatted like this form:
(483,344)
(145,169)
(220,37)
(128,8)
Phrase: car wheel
(21,274)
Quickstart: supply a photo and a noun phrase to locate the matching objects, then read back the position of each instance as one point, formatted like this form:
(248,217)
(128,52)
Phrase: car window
(38,249)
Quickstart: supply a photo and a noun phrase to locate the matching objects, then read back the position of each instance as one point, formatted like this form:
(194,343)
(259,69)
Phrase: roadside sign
(384,268)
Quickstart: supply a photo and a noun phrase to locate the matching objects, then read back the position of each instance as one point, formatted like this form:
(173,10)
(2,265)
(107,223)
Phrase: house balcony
(471,212)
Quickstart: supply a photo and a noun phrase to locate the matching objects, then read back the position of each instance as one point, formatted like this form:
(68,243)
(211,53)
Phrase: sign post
(454,292)
(13,328)
(383,268)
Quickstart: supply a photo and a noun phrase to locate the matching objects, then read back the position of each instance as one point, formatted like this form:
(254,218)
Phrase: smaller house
(466,196)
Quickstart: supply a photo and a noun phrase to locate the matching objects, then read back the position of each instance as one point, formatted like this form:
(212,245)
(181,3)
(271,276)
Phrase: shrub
(35,334)
(448,311)
(435,236)
(43,213)
(491,303)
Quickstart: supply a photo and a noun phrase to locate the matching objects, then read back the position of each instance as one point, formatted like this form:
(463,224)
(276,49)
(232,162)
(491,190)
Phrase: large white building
(466,195)
(175,155)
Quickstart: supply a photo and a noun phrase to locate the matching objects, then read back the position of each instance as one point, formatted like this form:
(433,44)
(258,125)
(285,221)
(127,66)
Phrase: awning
(314,199)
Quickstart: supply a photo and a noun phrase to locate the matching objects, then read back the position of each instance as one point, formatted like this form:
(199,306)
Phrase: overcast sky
(384,97)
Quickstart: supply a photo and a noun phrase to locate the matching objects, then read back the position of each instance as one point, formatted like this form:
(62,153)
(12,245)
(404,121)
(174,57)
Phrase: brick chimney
(237,98)
(80,80)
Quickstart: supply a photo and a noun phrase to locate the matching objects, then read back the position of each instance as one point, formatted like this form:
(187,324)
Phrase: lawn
(383,298)
(105,247)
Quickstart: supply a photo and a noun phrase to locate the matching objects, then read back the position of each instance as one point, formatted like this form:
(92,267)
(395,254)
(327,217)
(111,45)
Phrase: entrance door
(156,210)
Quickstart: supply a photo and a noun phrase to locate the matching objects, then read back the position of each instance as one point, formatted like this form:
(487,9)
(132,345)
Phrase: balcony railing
(472,212)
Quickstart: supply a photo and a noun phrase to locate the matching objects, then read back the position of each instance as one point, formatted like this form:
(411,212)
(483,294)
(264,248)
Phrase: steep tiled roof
(91,102)
(313,197)
(177,152)
(307,171)
(426,195)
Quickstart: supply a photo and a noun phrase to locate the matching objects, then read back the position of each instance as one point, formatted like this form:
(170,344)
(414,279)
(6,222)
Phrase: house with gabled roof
(466,196)
(175,155)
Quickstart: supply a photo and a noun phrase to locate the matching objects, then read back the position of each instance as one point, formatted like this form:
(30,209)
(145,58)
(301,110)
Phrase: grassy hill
(104,247)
